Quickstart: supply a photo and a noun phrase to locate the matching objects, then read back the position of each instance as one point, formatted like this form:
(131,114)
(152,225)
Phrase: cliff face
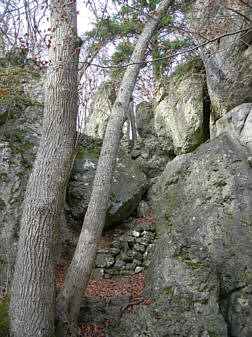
(227,60)
(200,276)
(201,272)
(21,113)
(194,148)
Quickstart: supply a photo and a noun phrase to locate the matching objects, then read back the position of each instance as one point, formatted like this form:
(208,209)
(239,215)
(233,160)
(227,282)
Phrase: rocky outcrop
(179,116)
(128,184)
(97,311)
(102,102)
(21,119)
(21,113)
(237,123)
(201,271)
(148,151)
(228,59)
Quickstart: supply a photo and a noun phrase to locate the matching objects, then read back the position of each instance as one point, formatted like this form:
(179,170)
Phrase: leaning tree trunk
(68,301)
(32,306)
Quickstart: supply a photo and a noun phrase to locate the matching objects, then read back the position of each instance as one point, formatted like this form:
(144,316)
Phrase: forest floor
(110,288)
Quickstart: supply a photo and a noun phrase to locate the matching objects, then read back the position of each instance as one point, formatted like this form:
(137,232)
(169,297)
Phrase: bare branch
(239,13)
(175,54)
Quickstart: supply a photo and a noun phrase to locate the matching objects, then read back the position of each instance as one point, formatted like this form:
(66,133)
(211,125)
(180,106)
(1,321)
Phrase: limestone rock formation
(103,100)
(238,124)
(227,60)
(20,125)
(179,116)
(200,276)
(144,119)
(148,151)
(128,184)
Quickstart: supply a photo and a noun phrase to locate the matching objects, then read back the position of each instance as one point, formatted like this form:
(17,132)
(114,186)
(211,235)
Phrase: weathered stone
(151,155)
(119,300)
(139,269)
(227,60)
(103,100)
(143,241)
(149,251)
(104,260)
(127,272)
(124,246)
(128,184)
(145,226)
(135,254)
(115,244)
(98,273)
(114,251)
(144,119)
(179,115)
(13,179)
(143,209)
(120,264)
(19,133)
(130,266)
(92,310)
(125,257)
(130,240)
(201,271)
(139,247)
(137,262)
(148,235)
(237,123)
(135,234)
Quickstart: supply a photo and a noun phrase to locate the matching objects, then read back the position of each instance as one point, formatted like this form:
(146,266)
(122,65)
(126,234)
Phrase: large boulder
(237,123)
(128,184)
(228,59)
(200,277)
(179,117)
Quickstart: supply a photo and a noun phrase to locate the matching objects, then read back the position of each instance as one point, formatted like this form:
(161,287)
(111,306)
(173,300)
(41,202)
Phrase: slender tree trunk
(68,301)
(133,122)
(32,307)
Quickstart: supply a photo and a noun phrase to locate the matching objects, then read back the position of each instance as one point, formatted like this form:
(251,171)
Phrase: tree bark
(32,306)
(133,122)
(68,301)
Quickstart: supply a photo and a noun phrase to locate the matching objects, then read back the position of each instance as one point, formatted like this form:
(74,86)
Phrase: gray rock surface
(102,103)
(178,118)
(148,151)
(128,184)
(129,255)
(237,123)
(144,119)
(151,156)
(19,139)
(228,59)
(97,311)
(201,273)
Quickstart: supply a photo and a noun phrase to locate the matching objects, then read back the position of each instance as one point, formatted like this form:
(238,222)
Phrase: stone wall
(127,256)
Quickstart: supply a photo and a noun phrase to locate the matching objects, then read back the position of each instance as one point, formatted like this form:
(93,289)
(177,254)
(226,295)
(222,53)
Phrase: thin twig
(175,54)
(130,305)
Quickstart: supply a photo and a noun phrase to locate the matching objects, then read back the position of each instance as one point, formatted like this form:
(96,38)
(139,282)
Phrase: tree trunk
(68,301)
(133,122)
(32,307)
